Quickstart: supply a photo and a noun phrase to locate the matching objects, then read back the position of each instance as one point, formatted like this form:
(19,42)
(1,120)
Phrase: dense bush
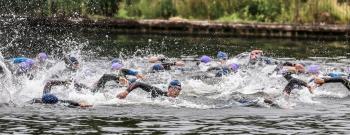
(271,11)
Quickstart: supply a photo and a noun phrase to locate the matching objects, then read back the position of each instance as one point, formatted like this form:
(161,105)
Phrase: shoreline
(199,28)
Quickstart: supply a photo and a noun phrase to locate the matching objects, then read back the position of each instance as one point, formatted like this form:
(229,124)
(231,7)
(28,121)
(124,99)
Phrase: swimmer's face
(180,63)
(75,66)
(300,68)
(254,55)
(174,91)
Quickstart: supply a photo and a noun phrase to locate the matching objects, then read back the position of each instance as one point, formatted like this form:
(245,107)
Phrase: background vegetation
(268,11)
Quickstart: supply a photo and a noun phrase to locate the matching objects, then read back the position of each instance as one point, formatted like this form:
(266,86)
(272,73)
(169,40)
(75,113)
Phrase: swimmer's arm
(131,87)
(213,68)
(303,83)
(75,104)
(132,72)
(35,100)
(49,84)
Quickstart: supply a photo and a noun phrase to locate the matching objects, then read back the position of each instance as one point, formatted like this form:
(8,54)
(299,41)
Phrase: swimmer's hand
(122,95)
(319,81)
(311,89)
(123,81)
(84,105)
(140,76)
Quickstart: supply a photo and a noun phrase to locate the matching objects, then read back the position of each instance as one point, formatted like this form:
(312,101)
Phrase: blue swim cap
(116,66)
(49,99)
(116,60)
(175,83)
(157,67)
(222,56)
(336,74)
(205,59)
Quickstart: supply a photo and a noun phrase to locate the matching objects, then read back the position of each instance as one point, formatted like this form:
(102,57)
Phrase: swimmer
(258,56)
(222,57)
(219,71)
(120,76)
(42,61)
(343,80)
(287,70)
(154,59)
(48,98)
(173,90)
(71,62)
(334,77)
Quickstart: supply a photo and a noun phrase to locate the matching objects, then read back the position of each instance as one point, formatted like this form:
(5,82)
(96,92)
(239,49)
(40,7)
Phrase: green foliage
(270,11)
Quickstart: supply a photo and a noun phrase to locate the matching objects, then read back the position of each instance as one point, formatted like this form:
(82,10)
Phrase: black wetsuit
(113,77)
(47,90)
(155,91)
(64,102)
(49,84)
(344,81)
(1,70)
(292,82)
(167,66)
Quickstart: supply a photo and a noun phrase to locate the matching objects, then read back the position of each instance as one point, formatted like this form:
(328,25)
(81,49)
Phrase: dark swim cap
(157,67)
(73,60)
(175,83)
(49,99)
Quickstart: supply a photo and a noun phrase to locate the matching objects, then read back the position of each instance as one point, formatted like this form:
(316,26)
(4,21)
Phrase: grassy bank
(270,11)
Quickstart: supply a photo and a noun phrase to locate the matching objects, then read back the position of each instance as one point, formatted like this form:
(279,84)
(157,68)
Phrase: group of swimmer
(204,67)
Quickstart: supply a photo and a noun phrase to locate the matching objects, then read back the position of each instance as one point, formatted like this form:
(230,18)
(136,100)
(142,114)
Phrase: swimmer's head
(174,88)
(300,68)
(205,59)
(222,56)
(116,66)
(42,57)
(26,66)
(157,67)
(153,59)
(72,62)
(180,63)
(313,69)
(49,99)
(255,54)
(116,60)
(234,67)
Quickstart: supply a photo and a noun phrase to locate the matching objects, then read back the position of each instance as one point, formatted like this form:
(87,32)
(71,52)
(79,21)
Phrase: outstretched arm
(75,104)
(146,87)
(344,81)
(294,81)
(49,84)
